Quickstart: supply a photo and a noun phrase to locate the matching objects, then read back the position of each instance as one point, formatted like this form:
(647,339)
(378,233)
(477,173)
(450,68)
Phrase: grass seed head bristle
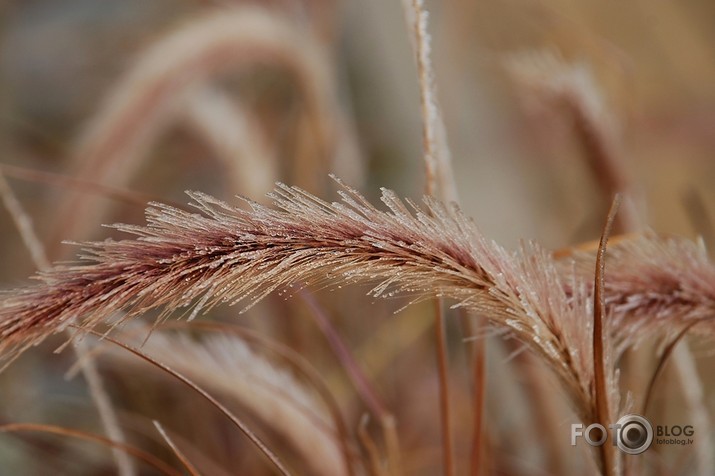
(656,286)
(226,254)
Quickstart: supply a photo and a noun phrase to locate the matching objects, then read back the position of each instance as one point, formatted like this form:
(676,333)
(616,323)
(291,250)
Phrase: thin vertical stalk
(602,411)
(439,183)
(478,357)
(443,371)
(437,157)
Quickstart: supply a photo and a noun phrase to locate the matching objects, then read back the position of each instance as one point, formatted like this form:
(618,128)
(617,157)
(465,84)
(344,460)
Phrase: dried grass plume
(226,254)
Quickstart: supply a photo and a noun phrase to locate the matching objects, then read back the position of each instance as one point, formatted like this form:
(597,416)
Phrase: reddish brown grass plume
(287,331)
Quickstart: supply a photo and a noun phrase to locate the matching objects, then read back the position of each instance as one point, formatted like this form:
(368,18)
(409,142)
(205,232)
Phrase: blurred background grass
(521,172)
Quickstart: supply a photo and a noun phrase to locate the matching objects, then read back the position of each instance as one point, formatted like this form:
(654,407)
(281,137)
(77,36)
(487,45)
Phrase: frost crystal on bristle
(228,254)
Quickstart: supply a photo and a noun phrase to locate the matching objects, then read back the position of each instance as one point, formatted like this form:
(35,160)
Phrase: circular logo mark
(635,434)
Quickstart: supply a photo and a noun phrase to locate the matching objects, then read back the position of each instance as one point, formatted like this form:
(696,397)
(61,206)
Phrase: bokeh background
(339,94)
